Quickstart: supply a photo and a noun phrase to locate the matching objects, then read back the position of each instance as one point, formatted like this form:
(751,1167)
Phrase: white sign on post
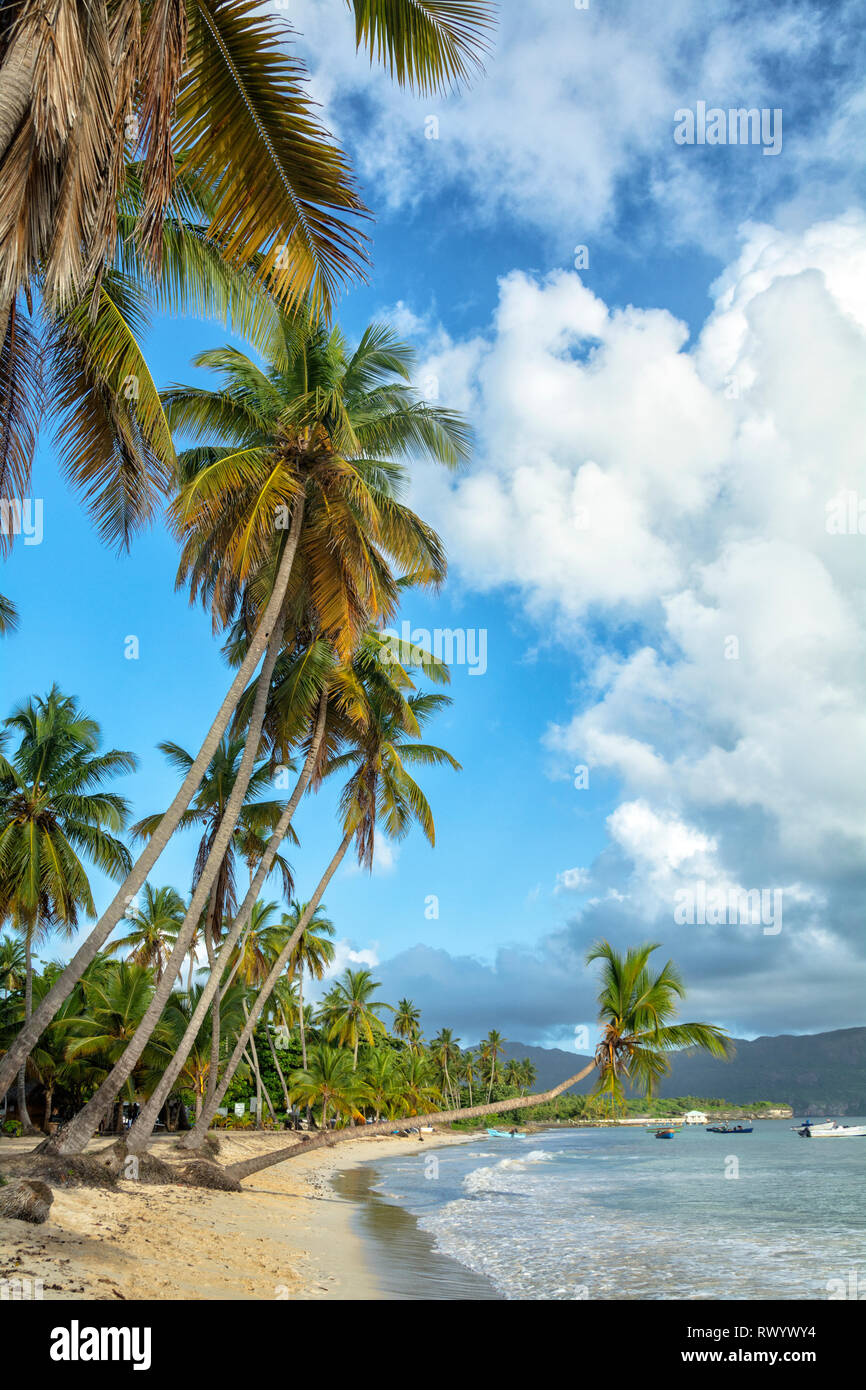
(239,1108)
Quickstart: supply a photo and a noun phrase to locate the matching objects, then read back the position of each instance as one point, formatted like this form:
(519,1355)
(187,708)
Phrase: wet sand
(287,1236)
(401,1257)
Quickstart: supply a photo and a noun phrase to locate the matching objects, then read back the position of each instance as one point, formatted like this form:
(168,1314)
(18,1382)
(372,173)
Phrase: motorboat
(832,1131)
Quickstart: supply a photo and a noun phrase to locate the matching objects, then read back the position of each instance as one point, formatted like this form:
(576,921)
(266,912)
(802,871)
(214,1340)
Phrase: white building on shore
(694,1117)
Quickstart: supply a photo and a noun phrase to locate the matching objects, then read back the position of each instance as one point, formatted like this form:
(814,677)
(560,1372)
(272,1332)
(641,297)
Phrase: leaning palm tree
(356,1011)
(53,808)
(257,818)
(226,807)
(319,438)
(639,1035)
(154,929)
(264,136)
(380,789)
(316,441)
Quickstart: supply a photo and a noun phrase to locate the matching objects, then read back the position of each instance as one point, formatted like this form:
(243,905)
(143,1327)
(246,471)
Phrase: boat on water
(726,1129)
(832,1131)
(665,1133)
(506,1134)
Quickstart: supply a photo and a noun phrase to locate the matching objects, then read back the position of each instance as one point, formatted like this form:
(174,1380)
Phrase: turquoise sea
(617,1214)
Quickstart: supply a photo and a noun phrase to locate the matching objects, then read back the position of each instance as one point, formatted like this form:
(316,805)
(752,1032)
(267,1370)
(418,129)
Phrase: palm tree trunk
(19,65)
(440,1117)
(257,1073)
(87,952)
(301,1018)
(23,1113)
(143,1127)
(75,1139)
(279,1070)
(252,1063)
(49,1105)
(215,1017)
(196,1135)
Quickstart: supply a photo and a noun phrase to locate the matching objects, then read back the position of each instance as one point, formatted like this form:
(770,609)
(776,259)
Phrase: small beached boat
(506,1134)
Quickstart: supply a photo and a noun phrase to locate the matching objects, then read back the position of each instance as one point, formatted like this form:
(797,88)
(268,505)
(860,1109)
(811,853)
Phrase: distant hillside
(818,1074)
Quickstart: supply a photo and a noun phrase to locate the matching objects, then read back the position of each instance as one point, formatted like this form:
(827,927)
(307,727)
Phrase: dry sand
(286,1236)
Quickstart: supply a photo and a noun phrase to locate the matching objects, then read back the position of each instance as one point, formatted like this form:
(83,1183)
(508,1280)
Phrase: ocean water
(618,1214)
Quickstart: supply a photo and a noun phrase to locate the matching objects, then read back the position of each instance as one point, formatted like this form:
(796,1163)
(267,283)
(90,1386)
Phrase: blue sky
(694,395)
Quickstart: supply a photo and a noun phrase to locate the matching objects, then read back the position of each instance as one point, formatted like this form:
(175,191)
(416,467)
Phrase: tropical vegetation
(164,157)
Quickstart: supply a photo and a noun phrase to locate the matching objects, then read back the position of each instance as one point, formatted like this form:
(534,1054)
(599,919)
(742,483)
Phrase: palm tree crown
(636,1009)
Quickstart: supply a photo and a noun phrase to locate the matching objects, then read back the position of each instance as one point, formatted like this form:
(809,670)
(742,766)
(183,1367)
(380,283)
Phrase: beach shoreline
(288,1235)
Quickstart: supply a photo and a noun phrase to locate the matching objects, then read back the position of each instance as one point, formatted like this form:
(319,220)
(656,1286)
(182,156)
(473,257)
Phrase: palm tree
(380,786)
(13,964)
(382,1080)
(445,1050)
(120,452)
(115,997)
(353,404)
(210,87)
(466,1070)
(53,807)
(407,1022)
(639,1035)
(206,813)
(356,1011)
(258,949)
(313,952)
(511,1073)
(329,1081)
(155,926)
(417,1085)
(228,795)
(491,1049)
(636,1010)
(8,615)
(528,1074)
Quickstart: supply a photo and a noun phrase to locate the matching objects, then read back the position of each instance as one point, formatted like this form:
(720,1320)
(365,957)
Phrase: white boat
(832,1131)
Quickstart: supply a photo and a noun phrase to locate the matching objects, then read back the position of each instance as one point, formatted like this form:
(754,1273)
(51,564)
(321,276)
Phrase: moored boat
(832,1131)
(725,1129)
(665,1133)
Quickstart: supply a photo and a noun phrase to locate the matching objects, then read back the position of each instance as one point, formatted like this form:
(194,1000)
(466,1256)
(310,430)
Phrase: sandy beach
(286,1236)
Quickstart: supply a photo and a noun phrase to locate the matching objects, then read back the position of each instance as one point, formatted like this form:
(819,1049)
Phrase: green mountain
(816,1074)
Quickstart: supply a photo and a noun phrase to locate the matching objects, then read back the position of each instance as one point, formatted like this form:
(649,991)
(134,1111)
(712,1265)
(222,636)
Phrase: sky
(656,553)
